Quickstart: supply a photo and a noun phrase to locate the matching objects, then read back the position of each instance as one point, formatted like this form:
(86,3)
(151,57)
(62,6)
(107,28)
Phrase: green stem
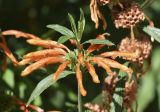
(132,33)
(79,100)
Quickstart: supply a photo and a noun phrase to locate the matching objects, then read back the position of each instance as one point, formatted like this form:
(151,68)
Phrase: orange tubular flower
(3,45)
(92,72)
(79,80)
(7,53)
(60,69)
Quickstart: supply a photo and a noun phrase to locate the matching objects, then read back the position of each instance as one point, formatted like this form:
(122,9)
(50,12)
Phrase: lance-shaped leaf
(81,24)
(155,65)
(146,92)
(117,99)
(99,41)
(63,39)
(153,32)
(73,24)
(44,84)
(61,29)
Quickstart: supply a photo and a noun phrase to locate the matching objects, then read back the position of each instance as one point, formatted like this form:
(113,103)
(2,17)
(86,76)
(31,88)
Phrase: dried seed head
(130,93)
(103,2)
(142,47)
(127,14)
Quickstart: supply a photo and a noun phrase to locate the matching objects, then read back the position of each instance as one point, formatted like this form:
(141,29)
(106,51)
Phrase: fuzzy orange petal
(45,53)
(119,54)
(41,63)
(19,34)
(79,79)
(103,65)
(30,60)
(46,44)
(9,53)
(92,72)
(94,47)
(115,64)
(60,69)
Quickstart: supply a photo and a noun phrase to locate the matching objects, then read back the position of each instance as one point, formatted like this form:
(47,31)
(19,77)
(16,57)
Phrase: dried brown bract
(96,14)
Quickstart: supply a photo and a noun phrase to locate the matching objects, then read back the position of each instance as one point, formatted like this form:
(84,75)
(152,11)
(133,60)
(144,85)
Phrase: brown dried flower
(96,14)
(130,93)
(127,14)
(141,46)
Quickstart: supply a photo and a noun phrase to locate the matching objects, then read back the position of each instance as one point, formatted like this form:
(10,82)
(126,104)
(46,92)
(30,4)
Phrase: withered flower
(127,14)
(141,45)
(96,14)
(130,93)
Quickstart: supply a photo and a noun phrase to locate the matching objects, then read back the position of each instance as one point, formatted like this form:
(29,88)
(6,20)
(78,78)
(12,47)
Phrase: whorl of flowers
(54,52)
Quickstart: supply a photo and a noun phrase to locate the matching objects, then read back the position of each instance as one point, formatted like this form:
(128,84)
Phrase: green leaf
(117,99)
(8,77)
(61,29)
(73,24)
(155,60)
(63,39)
(44,84)
(99,41)
(146,91)
(153,32)
(98,99)
(117,102)
(158,89)
(81,24)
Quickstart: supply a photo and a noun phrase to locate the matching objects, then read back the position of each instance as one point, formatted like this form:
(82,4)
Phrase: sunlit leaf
(22,89)
(63,39)
(153,32)
(44,84)
(99,41)
(117,99)
(146,91)
(158,90)
(61,29)
(73,24)
(8,77)
(156,60)
(81,24)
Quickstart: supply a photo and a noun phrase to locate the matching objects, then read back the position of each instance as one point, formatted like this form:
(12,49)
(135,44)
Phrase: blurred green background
(32,16)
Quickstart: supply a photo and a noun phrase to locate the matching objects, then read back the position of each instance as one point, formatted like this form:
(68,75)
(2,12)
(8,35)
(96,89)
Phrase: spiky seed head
(127,14)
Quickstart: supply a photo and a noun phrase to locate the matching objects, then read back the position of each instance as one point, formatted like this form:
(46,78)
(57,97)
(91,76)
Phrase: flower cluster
(54,52)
